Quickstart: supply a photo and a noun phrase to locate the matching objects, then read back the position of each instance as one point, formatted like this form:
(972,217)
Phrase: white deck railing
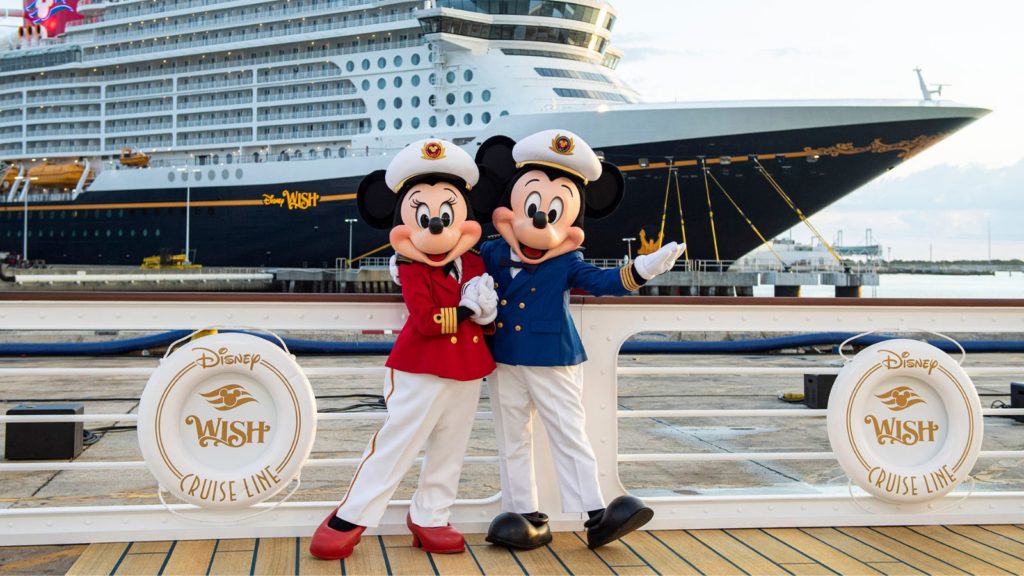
(604,323)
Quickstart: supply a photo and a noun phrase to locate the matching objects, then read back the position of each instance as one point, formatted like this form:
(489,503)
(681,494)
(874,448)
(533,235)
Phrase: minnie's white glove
(488,300)
(470,296)
(650,265)
(393,268)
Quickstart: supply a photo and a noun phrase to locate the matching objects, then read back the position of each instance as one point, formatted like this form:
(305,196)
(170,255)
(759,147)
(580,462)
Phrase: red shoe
(331,544)
(439,540)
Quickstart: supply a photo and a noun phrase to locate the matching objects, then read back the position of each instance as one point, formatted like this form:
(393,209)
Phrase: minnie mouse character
(439,358)
(551,179)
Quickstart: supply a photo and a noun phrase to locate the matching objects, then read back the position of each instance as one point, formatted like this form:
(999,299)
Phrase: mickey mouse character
(439,358)
(551,180)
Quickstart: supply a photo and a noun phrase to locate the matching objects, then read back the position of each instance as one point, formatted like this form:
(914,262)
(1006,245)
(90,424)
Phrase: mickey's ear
(496,155)
(376,201)
(605,193)
(485,196)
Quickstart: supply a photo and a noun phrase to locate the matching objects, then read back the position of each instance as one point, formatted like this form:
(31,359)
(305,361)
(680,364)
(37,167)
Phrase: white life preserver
(905,421)
(227,421)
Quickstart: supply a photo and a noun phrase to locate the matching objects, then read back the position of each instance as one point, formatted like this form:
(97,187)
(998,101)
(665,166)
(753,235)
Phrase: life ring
(905,421)
(227,421)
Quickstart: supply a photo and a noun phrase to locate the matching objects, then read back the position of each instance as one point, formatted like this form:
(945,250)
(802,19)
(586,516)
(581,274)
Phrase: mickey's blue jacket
(534,327)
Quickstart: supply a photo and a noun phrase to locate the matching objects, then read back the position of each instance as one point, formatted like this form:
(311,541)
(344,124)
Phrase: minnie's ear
(605,193)
(485,196)
(376,201)
(496,155)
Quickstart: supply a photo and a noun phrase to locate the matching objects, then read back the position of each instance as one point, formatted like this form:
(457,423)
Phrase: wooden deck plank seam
(756,551)
(1007,552)
(673,550)
(433,565)
(209,566)
(1003,535)
(121,559)
(605,562)
(960,550)
(472,555)
(384,552)
(693,534)
(646,563)
(559,558)
(800,552)
(965,570)
(890,557)
(255,552)
(904,560)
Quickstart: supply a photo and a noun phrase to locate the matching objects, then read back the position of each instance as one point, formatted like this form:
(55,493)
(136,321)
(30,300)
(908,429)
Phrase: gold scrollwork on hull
(908,148)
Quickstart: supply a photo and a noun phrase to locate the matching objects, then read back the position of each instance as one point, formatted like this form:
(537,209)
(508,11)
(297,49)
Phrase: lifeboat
(48,174)
(7,176)
(135,158)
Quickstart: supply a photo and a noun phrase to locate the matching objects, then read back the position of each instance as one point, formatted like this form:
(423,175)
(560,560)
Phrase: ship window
(157,233)
(468,76)
(216,158)
(366,85)
(132,233)
(468,97)
(238,172)
(312,154)
(145,232)
(486,117)
(415,101)
(366,64)
(108,233)
(416,80)
(416,122)
(432,79)
(229,159)
(350,66)
(198,175)
(398,123)
(415,59)
(450,98)
(224,174)
(382,83)
(110,213)
(432,100)
(450,77)
(467,119)
(398,60)
(342,152)
(211,175)
(504,112)
(381,125)
(381,104)
(398,103)
(120,232)
(432,121)
(450,120)
(382,62)
(486,95)
(398,81)
(327,153)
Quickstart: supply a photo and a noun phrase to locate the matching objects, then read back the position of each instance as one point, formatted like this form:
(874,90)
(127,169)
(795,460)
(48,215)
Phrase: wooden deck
(996,549)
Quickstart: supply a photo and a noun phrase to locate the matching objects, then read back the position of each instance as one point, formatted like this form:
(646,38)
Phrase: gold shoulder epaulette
(403,260)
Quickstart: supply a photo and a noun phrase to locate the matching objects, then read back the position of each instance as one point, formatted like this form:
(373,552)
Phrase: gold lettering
(230,433)
(895,484)
(893,361)
(211,359)
(208,489)
(906,432)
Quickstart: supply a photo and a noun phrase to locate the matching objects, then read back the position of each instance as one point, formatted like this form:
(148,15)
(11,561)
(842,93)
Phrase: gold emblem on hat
(562,144)
(433,150)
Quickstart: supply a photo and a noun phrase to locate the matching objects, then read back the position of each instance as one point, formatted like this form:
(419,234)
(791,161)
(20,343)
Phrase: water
(1000,285)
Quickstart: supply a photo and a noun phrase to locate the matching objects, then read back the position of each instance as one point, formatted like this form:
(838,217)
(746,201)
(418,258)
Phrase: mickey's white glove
(470,296)
(393,268)
(488,300)
(650,265)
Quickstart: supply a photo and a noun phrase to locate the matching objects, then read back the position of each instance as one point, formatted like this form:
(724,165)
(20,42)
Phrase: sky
(942,202)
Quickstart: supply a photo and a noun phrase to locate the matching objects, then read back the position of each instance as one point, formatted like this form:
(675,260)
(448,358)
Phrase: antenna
(926,92)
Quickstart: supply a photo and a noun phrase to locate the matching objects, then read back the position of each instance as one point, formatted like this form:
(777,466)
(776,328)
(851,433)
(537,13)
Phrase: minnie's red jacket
(433,341)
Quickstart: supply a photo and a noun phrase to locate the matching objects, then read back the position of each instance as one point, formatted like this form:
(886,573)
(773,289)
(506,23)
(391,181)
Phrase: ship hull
(302,224)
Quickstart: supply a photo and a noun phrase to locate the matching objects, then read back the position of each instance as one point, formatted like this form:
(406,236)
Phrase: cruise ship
(237,131)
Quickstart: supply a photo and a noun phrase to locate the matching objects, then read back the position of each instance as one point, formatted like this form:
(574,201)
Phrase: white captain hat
(431,156)
(559,149)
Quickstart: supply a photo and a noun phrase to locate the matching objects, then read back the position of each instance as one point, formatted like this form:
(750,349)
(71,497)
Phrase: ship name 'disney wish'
(293,200)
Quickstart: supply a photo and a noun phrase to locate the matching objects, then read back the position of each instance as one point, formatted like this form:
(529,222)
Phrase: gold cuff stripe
(450,320)
(627,279)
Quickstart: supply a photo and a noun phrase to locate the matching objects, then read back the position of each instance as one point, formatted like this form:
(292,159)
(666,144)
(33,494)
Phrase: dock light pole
(351,222)
(188,217)
(629,248)
(24,231)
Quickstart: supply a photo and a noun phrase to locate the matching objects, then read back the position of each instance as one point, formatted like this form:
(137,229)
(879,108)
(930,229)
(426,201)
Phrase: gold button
(455,340)
(496,284)
(503,301)
(522,305)
(476,339)
(531,289)
(518,327)
(501,324)
(437,318)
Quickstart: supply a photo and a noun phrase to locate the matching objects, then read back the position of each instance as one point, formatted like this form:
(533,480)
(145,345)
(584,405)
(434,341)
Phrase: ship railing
(271,79)
(214,121)
(182,141)
(318,9)
(329,113)
(60,149)
(303,134)
(213,103)
(48,99)
(100,53)
(138,110)
(200,86)
(139,128)
(604,324)
(301,95)
(114,94)
(48,133)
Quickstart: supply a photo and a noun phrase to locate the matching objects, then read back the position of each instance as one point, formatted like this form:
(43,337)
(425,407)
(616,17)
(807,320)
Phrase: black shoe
(520,531)
(622,516)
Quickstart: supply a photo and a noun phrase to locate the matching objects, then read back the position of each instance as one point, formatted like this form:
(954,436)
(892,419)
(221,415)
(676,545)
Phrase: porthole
(504,112)
(230,159)
(170,176)
(184,176)
(415,101)
(198,175)
(382,62)
(366,85)
(350,66)
(397,61)
(432,121)
(450,77)
(224,174)
(432,79)
(416,122)
(157,233)
(415,80)
(397,82)
(381,104)
(366,64)
(450,120)
(216,159)
(486,117)
(467,119)
(486,95)
(397,103)
(238,173)
(468,76)
(467,97)
(432,100)
(398,123)
(382,83)
(415,59)
(450,98)
(342,152)
(381,125)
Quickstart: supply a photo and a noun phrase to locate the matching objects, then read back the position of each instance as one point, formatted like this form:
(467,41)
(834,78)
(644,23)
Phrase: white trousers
(555,393)
(424,412)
